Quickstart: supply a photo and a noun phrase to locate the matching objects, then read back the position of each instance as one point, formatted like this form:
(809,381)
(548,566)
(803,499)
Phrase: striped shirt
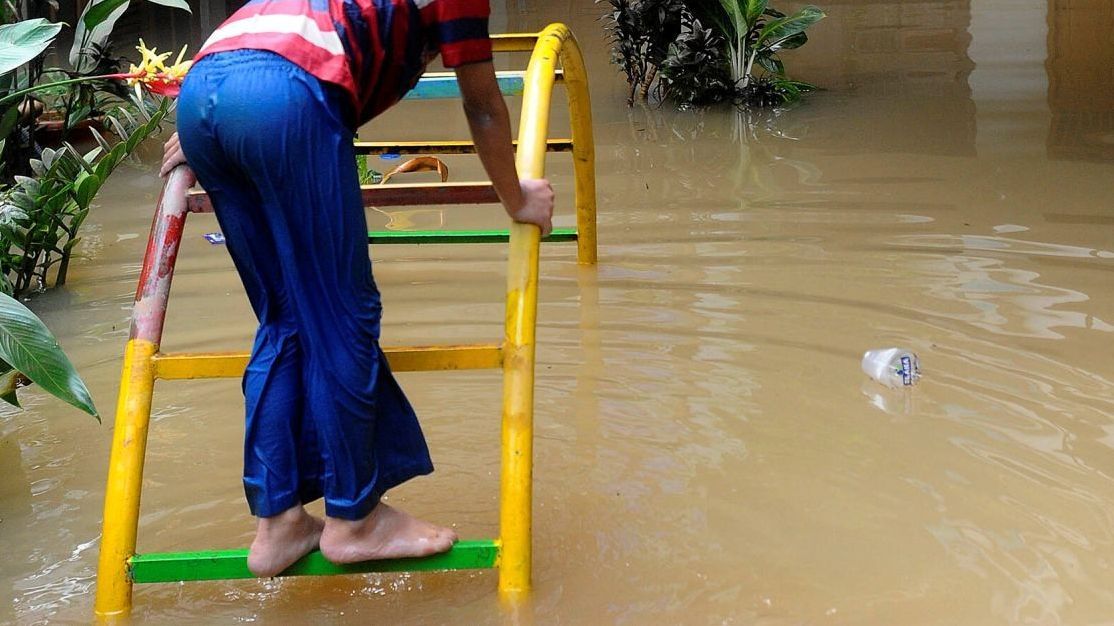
(375,49)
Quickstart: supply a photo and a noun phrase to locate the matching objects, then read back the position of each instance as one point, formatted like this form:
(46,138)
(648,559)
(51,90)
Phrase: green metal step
(460,236)
(167,567)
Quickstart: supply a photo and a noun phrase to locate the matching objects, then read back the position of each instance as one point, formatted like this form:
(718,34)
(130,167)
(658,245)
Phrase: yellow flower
(153,74)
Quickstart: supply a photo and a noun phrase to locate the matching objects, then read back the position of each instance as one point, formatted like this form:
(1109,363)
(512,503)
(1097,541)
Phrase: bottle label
(906,370)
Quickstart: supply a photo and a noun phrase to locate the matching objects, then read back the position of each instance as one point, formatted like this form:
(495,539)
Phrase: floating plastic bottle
(893,367)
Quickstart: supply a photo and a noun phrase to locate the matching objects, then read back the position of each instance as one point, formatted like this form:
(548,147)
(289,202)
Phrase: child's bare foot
(283,539)
(386,533)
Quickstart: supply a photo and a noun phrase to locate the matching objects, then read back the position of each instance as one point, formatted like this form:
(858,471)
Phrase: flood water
(708,451)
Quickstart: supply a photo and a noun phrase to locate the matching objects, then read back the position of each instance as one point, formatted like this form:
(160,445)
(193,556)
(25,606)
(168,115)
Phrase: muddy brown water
(708,451)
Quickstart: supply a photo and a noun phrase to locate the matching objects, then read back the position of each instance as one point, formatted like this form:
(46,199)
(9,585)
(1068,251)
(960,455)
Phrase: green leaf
(92,155)
(27,344)
(23,41)
(754,10)
(799,85)
(367,175)
(8,384)
(77,114)
(95,27)
(100,140)
(30,186)
(110,160)
(8,121)
(76,157)
(128,116)
(771,64)
(778,31)
(98,12)
(174,4)
(57,202)
(117,128)
(86,188)
(23,201)
(790,43)
(713,13)
(737,16)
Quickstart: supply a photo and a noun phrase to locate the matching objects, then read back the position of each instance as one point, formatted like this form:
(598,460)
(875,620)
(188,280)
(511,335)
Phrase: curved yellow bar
(563,45)
(583,148)
(555,43)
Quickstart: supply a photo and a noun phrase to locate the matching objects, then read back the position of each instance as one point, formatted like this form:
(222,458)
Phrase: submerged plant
(755,33)
(694,73)
(714,50)
(641,32)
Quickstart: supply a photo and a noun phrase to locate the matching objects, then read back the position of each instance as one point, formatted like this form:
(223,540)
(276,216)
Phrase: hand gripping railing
(119,565)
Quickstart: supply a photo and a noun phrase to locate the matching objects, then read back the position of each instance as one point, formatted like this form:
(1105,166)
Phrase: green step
(460,236)
(167,567)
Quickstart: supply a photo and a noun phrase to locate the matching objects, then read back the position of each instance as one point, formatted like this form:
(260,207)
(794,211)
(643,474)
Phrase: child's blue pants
(272,146)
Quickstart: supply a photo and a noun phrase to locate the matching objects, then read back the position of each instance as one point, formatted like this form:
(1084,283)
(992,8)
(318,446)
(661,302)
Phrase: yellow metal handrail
(555,43)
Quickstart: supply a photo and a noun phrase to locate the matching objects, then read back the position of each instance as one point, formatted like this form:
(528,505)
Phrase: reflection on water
(708,450)
(1080,80)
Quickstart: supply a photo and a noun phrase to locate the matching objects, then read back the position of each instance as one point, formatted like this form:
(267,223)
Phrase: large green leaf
(9,381)
(174,4)
(99,11)
(712,13)
(754,9)
(790,43)
(27,344)
(743,14)
(95,27)
(771,63)
(778,31)
(736,17)
(8,120)
(86,188)
(23,41)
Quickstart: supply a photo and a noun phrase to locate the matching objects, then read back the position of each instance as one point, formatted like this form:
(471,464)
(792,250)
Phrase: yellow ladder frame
(144,363)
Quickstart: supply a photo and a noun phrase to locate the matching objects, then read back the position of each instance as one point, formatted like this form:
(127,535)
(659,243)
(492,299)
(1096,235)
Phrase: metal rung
(183,366)
(513,42)
(167,567)
(394,195)
(429,194)
(442,85)
(442,147)
(459,236)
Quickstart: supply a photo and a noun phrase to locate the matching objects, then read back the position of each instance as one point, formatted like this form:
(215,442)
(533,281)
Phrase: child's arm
(529,201)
